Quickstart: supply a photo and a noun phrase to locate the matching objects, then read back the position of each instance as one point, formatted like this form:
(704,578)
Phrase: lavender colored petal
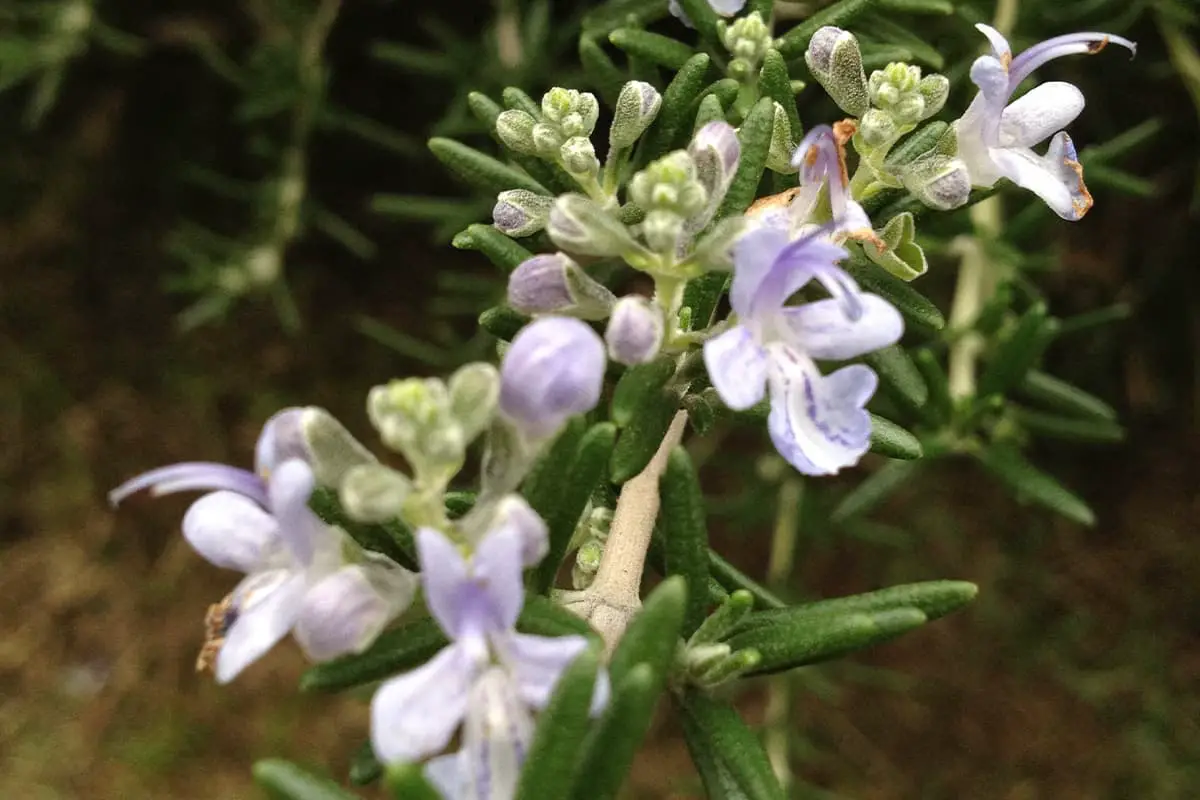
(537,662)
(737,366)
(1057,177)
(753,256)
(343,613)
(727,8)
(290,487)
(817,422)
(232,531)
(496,737)
(414,715)
(813,256)
(679,14)
(992,79)
(193,476)
(514,512)
(266,604)
(822,329)
(1039,114)
(553,370)
(445,578)
(1083,43)
(1000,46)
(496,566)
(445,774)
(282,438)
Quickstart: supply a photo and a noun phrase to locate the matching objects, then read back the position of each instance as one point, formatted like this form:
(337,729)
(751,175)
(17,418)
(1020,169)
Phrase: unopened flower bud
(573,112)
(515,129)
(346,611)
(779,156)
(520,212)
(547,140)
(554,284)
(747,39)
(715,150)
(835,61)
(934,89)
(930,168)
(474,391)
(877,127)
(663,231)
(669,184)
(514,512)
(580,225)
(637,106)
(374,493)
(413,417)
(946,188)
(579,156)
(313,435)
(635,331)
(553,370)
(908,98)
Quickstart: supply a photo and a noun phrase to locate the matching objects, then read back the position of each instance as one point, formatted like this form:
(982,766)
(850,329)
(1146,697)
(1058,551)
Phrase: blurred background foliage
(210,210)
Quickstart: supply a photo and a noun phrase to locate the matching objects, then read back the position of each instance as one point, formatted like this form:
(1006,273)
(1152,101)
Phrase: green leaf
(653,634)
(591,461)
(900,255)
(916,307)
(701,295)
(499,248)
(485,109)
(640,438)
(550,766)
(875,488)
(397,649)
(1030,483)
(608,752)
(364,766)
(942,7)
(940,402)
(502,322)
(285,781)
(755,137)
(393,539)
(793,43)
(481,170)
(791,642)
(709,110)
(407,782)
(725,90)
(1062,396)
(636,386)
(541,616)
(1015,355)
(600,69)
(935,599)
(889,439)
(775,83)
(731,579)
(676,111)
(899,377)
(653,47)
(605,17)
(516,99)
(683,521)
(719,739)
(702,16)
(548,478)
(1089,320)
(1071,429)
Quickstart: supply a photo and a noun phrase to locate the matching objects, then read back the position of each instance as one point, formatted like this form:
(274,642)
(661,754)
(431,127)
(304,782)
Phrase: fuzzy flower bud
(547,140)
(637,106)
(579,156)
(374,493)
(580,225)
(635,331)
(669,184)
(515,129)
(747,40)
(314,436)
(908,98)
(574,113)
(835,61)
(779,156)
(554,284)
(553,370)
(474,391)
(520,212)
(413,417)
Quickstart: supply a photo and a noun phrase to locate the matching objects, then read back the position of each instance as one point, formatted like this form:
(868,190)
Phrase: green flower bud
(413,417)
(670,184)
(474,390)
(520,212)
(637,106)
(580,225)
(547,139)
(663,231)
(747,39)
(835,61)
(779,156)
(934,89)
(374,493)
(515,129)
(900,90)
(877,127)
(579,156)
(574,113)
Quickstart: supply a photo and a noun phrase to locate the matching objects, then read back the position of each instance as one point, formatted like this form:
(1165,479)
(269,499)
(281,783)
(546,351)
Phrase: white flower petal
(415,714)
(737,366)
(231,531)
(1056,177)
(265,604)
(1038,114)
(823,330)
(344,612)
(445,773)
(537,662)
(1000,46)
(496,737)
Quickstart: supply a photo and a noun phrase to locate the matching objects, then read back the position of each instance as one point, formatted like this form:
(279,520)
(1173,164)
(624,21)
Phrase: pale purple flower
(817,422)
(715,150)
(552,283)
(724,8)
(296,578)
(488,680)
(553,370)
(995,137)
(635,331)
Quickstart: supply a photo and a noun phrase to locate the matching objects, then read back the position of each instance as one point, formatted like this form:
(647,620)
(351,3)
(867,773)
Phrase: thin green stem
(777,733)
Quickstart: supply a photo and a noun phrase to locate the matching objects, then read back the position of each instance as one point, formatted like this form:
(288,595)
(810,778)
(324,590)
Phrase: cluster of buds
(747,39)
(560,132)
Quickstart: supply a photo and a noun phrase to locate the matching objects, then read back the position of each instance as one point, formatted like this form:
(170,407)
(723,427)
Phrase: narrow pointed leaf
(541,616)
(914,306)
(940,402)
(940,7)
(397,649)
(703,18)
(607,77)
(638,384)
(608,752)
(658,49)
(394,539)
(934,599)
(731,579)
(653,634)
(790,643)
(515,98)
(876,488)
(1030,483)
(550,766)
(286,781)
(755,136)
(715,732)
(685,530)
(499,248)
(793,43)
(677,111)
(502,322)
(480,169)
(548,478)
(899,377)
(364,766)
(1062,396)
(591,462)
(640,438)
(889,439)
(1071,429)
(775,83)
(709,110)
(1016,355)
(702,295)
